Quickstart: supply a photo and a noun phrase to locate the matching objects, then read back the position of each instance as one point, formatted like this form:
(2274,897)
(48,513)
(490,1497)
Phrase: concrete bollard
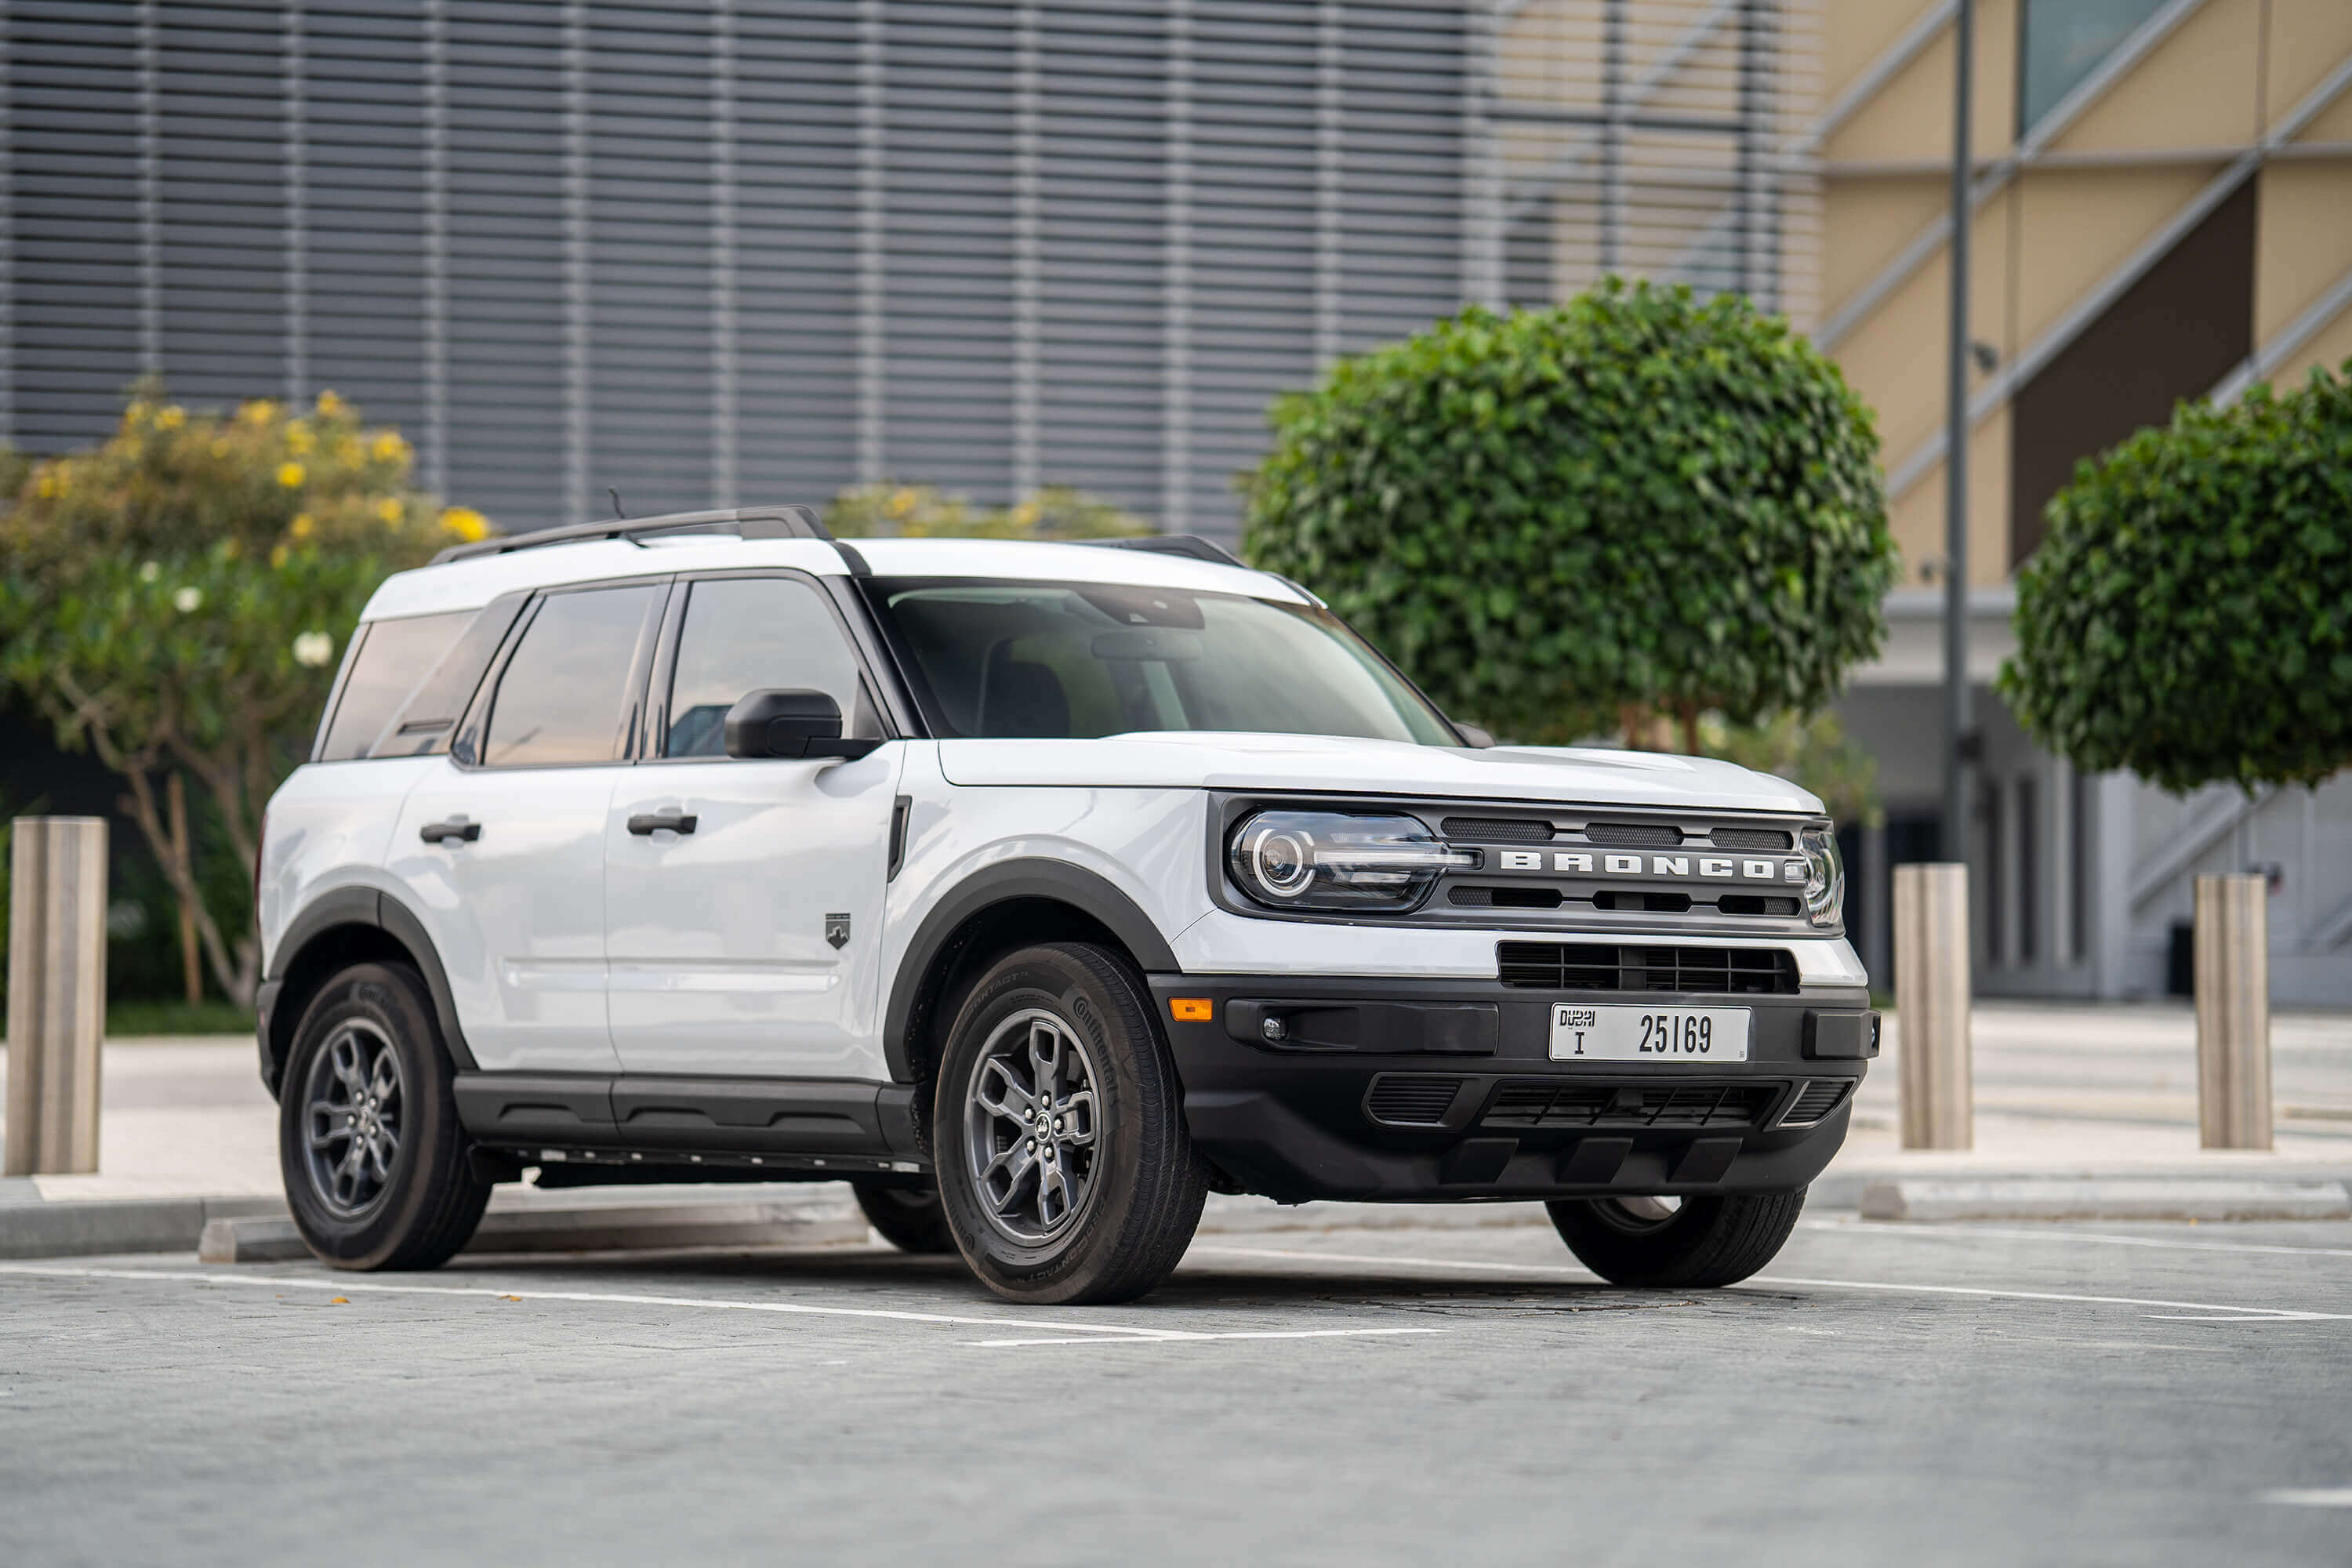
(56,993)
(1931,999)
(2233,1012)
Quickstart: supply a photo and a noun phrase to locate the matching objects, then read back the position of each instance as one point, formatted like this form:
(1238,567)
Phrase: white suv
(1035,889)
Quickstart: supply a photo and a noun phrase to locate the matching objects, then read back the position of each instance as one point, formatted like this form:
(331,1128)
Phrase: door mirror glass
(780,723)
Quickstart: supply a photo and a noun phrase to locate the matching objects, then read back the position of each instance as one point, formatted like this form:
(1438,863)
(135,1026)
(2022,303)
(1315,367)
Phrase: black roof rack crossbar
(1190,545)
(745,522)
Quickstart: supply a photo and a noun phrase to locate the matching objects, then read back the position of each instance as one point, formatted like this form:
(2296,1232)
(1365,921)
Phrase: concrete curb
(1924,1198)
(1843,1189)
(80,1229)
(588,1228)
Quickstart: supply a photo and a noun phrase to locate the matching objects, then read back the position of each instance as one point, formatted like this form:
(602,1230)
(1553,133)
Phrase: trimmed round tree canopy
(1639,501)
(2189,615)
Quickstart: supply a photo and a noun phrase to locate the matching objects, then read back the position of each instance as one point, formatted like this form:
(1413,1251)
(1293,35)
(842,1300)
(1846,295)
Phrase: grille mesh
(1412,1099)
(1634,835)
(1816,1100)
(1587,1104)
(1595,966)
(1752,838)
(1497,829)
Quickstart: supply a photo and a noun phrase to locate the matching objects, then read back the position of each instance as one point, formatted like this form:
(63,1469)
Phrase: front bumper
(1414,1090)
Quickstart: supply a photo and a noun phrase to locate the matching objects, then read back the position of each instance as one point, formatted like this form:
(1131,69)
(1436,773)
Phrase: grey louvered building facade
(740,250)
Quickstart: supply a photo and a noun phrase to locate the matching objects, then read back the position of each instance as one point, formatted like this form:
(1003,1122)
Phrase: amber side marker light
(1190,1009)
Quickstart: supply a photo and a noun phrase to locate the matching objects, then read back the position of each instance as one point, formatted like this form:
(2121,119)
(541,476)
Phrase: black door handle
(455,827)
(646,822)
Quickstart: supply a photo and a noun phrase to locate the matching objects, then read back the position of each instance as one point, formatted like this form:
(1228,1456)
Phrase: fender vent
(1408,1100)
(1816,1101)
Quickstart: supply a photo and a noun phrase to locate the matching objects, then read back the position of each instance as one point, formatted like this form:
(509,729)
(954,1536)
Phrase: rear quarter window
(393,660)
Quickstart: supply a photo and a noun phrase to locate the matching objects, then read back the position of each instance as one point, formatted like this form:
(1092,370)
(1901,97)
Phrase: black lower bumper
(1413,1090)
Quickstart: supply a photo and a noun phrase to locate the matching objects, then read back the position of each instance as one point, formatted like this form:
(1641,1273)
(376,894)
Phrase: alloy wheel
(1031,1127)
(353,1116)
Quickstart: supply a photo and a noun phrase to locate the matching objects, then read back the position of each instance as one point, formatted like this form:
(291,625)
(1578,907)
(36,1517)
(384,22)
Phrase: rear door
(743,898)
(502,845)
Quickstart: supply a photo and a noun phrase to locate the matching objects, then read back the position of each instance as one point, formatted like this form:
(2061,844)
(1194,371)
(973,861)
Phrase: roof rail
(746,522)
(1190,544)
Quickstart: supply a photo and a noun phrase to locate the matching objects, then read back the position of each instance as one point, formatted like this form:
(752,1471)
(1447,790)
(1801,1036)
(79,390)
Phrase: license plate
(1649,1034)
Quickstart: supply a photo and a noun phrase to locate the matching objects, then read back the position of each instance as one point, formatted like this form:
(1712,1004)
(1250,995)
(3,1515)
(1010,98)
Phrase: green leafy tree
(925,512)
(176,598)
(1811,750)
(1638,506)
(2189,615)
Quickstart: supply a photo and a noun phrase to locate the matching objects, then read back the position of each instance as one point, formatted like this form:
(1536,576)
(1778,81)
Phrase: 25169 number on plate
(1699,1035)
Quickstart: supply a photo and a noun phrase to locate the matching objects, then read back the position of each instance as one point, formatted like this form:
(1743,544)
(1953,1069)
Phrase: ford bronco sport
(1036,891)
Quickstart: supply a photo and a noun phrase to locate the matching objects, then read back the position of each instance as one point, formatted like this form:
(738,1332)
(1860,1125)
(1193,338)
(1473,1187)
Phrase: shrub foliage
(925,512)
(1638,504)
(2189,615)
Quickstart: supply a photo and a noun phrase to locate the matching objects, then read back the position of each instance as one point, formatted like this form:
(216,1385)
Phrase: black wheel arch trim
(356,906)
(1005,882)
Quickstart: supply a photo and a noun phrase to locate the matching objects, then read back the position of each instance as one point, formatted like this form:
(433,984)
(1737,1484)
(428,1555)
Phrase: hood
(1224,761)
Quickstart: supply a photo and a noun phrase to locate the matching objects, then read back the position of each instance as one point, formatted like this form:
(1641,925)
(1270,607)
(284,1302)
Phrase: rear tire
(368,1138)
(1064,1166)
(908,1218)
(1704,1243)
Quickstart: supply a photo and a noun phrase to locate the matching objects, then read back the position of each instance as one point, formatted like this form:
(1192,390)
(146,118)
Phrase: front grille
(1411,1099)
(1756,904)
(1497,829)
(1585,1104)
(1597,966)
(1815,1100)
(1752,838)
(1634,835)
(1505,898)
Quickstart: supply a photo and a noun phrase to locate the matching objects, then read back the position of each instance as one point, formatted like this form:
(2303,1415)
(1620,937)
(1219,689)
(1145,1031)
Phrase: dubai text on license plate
(1697,1035)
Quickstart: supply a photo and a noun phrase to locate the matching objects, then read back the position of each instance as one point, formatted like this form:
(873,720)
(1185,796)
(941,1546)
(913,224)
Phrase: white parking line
(1065,1331)
(1917,1229)
(2311,1497)
(2224,1313)
(1238,1334)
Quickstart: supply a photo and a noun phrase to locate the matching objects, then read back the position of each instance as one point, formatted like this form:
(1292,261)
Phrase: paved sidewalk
(2062,1090)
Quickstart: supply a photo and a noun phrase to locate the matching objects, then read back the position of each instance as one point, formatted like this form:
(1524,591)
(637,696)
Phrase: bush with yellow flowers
(926,512)
(176,599)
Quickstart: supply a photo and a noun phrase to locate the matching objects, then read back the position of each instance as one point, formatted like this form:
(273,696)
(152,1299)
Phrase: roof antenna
(616,504)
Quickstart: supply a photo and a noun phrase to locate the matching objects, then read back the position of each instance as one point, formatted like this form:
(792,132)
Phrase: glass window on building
(2060,42)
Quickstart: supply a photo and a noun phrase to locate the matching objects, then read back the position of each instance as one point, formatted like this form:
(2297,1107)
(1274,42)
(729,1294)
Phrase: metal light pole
(1958,743)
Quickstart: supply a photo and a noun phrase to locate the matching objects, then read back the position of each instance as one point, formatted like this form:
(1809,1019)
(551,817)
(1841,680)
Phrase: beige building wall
(2075,204)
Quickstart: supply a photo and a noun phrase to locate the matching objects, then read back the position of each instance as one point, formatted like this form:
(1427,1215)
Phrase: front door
(743,898)
(502,850)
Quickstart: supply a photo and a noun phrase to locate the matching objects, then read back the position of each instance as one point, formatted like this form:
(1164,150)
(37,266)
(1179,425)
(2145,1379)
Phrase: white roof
(471,584)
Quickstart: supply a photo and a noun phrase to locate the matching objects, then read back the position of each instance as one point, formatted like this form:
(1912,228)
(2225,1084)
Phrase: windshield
(1077,660)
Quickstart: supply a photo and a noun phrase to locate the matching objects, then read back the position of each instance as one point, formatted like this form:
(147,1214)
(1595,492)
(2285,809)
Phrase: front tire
(368,1138)
(1064,1165)
(1698,1244)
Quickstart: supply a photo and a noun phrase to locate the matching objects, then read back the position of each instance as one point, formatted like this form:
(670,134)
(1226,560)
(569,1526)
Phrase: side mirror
(790,724)
(1474,735)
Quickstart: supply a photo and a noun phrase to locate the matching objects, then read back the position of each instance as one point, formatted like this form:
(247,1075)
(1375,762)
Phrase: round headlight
(1332,860)
(1824,876)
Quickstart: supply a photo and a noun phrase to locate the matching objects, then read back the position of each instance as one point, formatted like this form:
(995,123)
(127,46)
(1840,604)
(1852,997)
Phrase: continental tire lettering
(1084,1012)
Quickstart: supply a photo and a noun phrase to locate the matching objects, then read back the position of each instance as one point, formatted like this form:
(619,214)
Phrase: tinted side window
(395,657)
(565,692)
(746,634)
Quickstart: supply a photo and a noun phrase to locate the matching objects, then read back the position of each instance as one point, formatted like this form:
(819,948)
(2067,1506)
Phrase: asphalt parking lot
(1981,1394)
